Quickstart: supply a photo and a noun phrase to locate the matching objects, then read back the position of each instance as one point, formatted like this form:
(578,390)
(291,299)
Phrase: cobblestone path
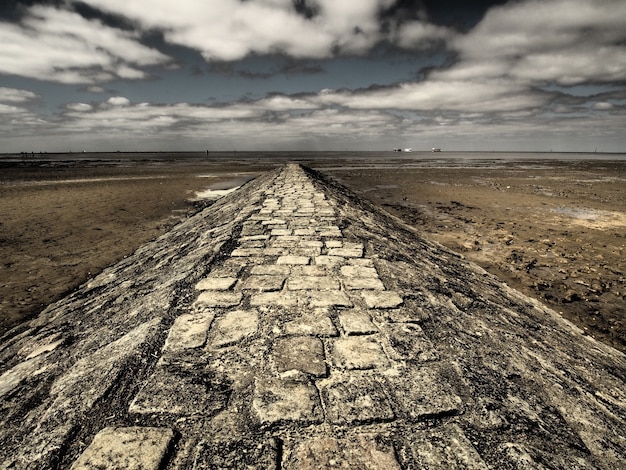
(305,341)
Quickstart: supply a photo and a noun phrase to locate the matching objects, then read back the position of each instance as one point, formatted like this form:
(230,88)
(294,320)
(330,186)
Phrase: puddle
(213,194)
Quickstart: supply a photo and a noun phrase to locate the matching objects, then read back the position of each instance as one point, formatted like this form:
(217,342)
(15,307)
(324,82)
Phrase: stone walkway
(297,314)
(300,347)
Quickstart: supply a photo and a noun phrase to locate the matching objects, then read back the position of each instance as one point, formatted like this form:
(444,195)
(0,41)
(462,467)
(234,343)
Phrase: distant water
(411,158)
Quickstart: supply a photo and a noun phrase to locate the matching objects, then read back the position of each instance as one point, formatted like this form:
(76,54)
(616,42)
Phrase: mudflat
(553,228)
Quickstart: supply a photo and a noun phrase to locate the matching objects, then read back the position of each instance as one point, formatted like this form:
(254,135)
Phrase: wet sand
(555,230)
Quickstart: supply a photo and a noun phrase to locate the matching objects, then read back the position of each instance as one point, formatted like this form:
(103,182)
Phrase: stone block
(238,453)
(281,232)
(382,299)
(316,323)
(274,299)
(233,327)
(333,298)
(312,283)
(130,448)
(263,283)
(363,452)
(444,447)
(359,271)
(359,352)
(362,283)
(348,250)
(302,353)
(423,393)
(325,260)
(329,232)
(216,283)
(293,260)
(355,322)
(217,299)
(285,400)
(356,399)
(270,270)
(188,331)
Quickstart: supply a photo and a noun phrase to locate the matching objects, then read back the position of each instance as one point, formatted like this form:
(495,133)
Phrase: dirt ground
(556,230)
(553,230)
(63,224)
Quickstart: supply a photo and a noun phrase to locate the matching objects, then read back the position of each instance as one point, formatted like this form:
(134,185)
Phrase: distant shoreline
(139,156)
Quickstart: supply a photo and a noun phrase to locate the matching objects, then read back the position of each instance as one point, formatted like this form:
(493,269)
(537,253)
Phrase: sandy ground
(555,230)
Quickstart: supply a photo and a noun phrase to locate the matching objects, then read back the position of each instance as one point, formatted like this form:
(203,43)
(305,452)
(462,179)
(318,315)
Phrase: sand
(555,230)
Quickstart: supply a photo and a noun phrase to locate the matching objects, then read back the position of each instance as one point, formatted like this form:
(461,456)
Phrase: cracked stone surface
(292,325)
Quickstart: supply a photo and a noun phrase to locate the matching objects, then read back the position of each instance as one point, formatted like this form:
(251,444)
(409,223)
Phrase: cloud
(80,107)
(564,41)
(61,46)
(13,95)
(453,95)
(119,101)
(228,30)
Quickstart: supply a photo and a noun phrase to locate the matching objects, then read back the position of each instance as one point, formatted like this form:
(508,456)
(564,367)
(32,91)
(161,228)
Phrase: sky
(315,75)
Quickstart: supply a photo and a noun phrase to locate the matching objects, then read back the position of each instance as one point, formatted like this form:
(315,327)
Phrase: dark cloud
(305,8)
(14,10)
(109,19)
(462,15)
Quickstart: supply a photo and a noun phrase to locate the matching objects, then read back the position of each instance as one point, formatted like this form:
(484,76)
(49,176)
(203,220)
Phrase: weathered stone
(359,271)
(244,453)
(409,341)
(423,393)
(264,283)
(91,377)
(280,299)
(218,299)
(445,447)
(316,323)
(367,452)
(302,353)
(179,393)
(362,283)
(281,232)
(348,250)
(233,327)
(248,252)
(325,260)
(312,283)
(355,322)
(131,448)
(188,331)
(329,299)
(382,299)
(13,377)
(359,352)
(270,270)
(293,260)
(356,399)
(277,400)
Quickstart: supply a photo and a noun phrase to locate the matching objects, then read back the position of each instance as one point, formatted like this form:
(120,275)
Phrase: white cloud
(119,101)
(80,107)
(14,95)
(462,96)
(62,46)
(231,29)
(564,41)
(603,106)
